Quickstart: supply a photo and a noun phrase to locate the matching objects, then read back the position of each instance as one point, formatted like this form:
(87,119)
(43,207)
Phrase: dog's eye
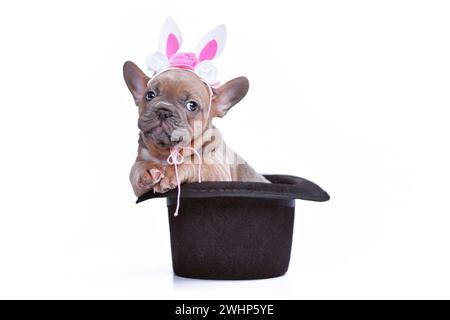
(192,106)
(150,95)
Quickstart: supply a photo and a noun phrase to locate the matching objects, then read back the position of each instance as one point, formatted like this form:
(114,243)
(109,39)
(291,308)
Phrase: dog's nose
(164,113)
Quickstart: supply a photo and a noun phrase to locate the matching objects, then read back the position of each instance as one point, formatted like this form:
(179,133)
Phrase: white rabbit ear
(212,45)
(170,39)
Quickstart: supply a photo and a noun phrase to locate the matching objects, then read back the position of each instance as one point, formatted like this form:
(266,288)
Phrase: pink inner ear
(172,45)
(209,51)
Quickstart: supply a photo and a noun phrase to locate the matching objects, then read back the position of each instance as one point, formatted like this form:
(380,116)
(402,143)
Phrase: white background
(351,94)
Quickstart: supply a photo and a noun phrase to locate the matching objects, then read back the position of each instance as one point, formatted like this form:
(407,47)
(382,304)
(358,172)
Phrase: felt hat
(235,230)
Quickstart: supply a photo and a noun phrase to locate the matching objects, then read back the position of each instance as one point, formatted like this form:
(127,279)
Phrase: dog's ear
(136,80)
(228,95)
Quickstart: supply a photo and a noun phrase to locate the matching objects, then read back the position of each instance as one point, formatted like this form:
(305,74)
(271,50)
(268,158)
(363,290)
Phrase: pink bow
(175,158)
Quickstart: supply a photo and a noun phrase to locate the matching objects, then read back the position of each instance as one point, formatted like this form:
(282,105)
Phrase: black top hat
(235,230)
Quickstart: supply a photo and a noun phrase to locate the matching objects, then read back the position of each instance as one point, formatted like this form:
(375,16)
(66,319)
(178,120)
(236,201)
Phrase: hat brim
(281,187)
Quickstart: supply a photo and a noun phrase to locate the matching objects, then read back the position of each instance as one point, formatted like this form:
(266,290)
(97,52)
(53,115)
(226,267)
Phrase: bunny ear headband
(169,57)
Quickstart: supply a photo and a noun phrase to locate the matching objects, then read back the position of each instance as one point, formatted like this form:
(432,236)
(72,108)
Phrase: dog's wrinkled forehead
(176,82)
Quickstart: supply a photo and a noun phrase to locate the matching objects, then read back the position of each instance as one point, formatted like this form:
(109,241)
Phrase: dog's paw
(149,178)
(166,183)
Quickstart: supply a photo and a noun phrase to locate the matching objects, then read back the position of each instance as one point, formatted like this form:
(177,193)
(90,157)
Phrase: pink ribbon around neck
(176,158)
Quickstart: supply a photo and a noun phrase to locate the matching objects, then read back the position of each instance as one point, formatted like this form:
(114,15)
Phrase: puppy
(176,110)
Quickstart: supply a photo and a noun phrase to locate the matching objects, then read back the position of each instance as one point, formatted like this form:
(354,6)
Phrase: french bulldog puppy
(176,110)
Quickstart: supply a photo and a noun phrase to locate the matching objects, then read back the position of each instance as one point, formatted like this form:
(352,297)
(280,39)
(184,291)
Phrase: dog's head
(176,103)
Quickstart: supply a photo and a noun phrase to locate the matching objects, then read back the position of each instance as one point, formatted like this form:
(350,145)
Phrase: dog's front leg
(144,175)
(186,172)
